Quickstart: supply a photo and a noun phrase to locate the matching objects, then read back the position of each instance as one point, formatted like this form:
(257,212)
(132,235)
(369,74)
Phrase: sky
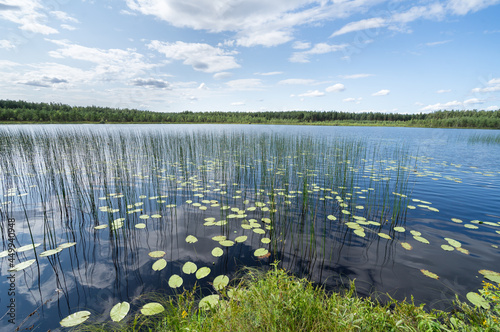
(253,55)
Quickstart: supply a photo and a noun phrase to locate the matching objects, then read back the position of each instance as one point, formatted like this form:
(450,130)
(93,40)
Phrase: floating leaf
(415,233)
(259,231)
(75,319)
(493,277)
(458,221)
(429,274)
(175,281)
(217,252)
(447,247)
(27,247)
(399,229)
(101,226)
(189,268)
(385,236)
(219,238)
(485,272)
(226,243)
(191,239)
(360,232)
(242,238)
(144,216)
(220,282)
(462,250)
(477,300)
(159,264)
(67,245)
(21,266)
(261,252)
(157,254)
(50,252)
(406,245)
(4,253)
(331,217)
(208,301)
(156,216)
(345,212)
(140,225)
(152,309)
(421,239)
(119,311)
(470,226)
(265,240)
(202,272)
(452,242)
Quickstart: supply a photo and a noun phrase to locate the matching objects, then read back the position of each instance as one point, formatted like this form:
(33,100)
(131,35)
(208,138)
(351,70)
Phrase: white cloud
(245,84)
(28,14)
(320,48)
(6,44)
(238,103)
(299,81)
(355,76)
(442,106)
(298,45)
(203,86)
(383,92)
(222,75)
(349,100)
(64,16)
(473,101)
(152,83)
(370,23)
(68,27)
(492,85)
(335,88)
(438,43)
(271,73)
(202,57)
(443,91)
(462,7)
(493,108)
(315,93)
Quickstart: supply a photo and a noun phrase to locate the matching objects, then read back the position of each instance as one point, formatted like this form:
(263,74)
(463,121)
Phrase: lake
(96,211)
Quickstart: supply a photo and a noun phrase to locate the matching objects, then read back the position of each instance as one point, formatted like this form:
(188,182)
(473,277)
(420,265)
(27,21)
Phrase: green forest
(29,112)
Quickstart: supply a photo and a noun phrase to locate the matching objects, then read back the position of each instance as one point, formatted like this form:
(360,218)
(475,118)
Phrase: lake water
(331,204)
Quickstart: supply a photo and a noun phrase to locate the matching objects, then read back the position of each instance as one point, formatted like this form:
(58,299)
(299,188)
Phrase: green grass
(278,301)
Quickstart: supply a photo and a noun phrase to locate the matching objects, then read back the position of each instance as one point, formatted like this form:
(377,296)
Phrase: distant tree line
(22,111)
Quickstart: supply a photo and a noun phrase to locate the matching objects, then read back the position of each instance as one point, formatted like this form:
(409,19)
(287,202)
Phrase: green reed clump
(484,139)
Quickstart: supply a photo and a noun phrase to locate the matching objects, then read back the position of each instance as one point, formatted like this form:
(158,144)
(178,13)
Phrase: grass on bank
(278,301)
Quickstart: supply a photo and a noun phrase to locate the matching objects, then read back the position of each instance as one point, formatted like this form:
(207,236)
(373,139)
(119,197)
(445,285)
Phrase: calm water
(299,192)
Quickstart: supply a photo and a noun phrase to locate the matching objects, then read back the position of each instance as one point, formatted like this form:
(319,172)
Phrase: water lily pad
(140,225)
(67,245)
(462,250)
(226,243)
(421,239)
(265,240)
(189,268)
(493,277)
(261,252)
(331,217)
(399,229)
(453,243)
(360,232)
(208,302)
(157,254)
(219,238)
(159,264)
(75,319)
(458,221)
(220,282)
(175,281)
(385,236)
(156,216)
(152,309)
(447,247)
(202,272)
(406,245)
(345,212)
(119,311)
(27,247)
(242,238)
(259,231)
(191,239)
(415,233)
(144,216)
(21,266)
(429,274)
(217,252)
(471,226)
(478,300)
(485,272)
(101,226)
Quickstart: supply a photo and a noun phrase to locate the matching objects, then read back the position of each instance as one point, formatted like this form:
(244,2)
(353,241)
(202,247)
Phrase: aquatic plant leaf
(429,274)
(385,236)
(331,217)
(406,245)
(471,226)
(208,301)
(485,272)
(477,300)
(153,308)
(399,229)
(226,243)
(202,272)
(241,238)
(415,233)
(462,250)
(101,226)
(453,243)
(119,311)
(421,239)
(265,240)
(261,252)
(75,319)
(259,231)
(189,268)
(4,253)
(493,277)
(175,281)
(67,245)
(447,247)
(140,225)
(345,212)
(360,232)
(144,216)
(26,248)
(217,252)
(159,264)
(156,216)
(458,221)
(220,282)
(50,252)
(157,254)
(21,266)
(191,239)
(219,238)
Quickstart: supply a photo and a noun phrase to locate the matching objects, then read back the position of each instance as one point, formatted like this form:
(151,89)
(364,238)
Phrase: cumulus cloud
(201,57)
(320,48)
(6,44)
(370,23)
(222,75)
(462,7)
(245,84)
(315,93)
(383,92)
(473,101)
(271,73)
(443,91)
(335,88)
(159,84)
(492,85)
(298,45)
(238,103)
(442,106)
(355,76)
(45,82)
(299,81)
(349,100)
(30,15)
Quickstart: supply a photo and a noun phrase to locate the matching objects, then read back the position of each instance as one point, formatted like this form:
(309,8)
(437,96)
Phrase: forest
(30,112)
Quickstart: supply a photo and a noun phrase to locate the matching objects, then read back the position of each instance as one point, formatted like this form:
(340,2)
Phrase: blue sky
(253,55)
